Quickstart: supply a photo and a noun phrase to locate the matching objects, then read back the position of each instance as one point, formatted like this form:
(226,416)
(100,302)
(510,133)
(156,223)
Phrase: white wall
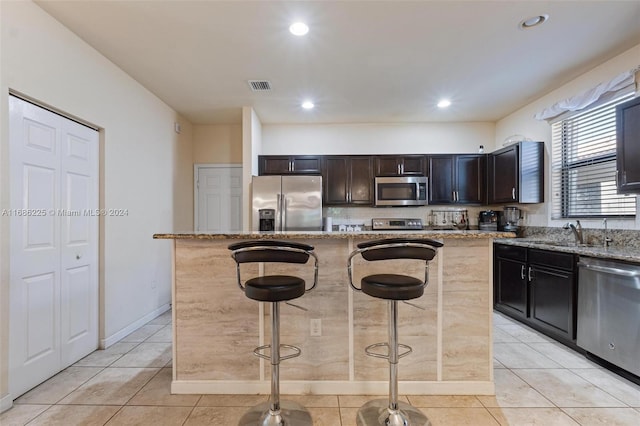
(522,122)
(372,138)
(145,165)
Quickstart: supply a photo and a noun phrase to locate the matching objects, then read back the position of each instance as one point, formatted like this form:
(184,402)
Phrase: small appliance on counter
(457,219)
(509,219)
(488,220)
(380,224)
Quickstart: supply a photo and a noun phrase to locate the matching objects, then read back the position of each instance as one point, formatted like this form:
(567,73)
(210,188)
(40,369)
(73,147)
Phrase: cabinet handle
(453,195)
(530,274)
(457,196)
(513,193)
(522,272)
(290,166)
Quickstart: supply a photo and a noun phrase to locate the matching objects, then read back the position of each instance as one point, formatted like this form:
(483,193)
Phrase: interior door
(219,197)
(53,299)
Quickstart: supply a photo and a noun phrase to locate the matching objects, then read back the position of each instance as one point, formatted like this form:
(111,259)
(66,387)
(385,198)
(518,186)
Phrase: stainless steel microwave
(401,191)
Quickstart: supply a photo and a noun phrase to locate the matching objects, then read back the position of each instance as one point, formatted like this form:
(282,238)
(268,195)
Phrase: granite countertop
(436,235)
(617,253)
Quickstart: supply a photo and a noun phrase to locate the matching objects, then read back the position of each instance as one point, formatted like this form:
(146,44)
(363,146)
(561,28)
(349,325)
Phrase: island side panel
(416,328)
(216,325)
(324,357)
(466,310)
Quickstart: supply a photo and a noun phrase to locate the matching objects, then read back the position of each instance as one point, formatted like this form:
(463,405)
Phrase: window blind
(584,166)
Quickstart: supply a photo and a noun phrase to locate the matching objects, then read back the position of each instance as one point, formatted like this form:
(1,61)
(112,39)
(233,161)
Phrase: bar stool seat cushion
(274,288)
(392,286)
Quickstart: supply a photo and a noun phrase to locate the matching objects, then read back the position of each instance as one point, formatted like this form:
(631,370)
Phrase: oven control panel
(394,223)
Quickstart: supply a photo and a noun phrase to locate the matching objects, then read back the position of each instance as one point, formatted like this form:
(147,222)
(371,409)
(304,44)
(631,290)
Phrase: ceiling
(361,62)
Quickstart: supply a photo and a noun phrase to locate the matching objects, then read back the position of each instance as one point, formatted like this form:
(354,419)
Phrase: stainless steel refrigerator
(294,202)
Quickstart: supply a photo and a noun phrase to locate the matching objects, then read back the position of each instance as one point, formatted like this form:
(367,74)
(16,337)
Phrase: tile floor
(538,382)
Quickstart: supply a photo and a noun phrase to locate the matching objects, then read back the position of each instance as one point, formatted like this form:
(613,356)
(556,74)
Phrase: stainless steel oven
(401,191)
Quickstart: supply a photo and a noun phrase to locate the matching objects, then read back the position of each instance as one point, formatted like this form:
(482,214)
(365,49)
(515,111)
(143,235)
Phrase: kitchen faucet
(606,240)
(576,229)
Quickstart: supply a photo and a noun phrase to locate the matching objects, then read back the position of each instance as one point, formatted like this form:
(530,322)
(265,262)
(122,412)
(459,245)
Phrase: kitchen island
(215,327)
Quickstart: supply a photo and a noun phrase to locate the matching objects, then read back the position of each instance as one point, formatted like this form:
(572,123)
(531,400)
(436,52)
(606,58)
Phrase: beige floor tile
(207,416)
(164,335)
(512,391)
(19,415)
(158,392)
(144,416)
(497,364)
(520,355)
(348,416)
(323,401)
(501,336)
(106,357)
(444,401)
(143,333)
(459,417)
(620,388)
(325,416)
(163,319)
(566,389)
(112,386)
(562,355)
(231,400)
(531,416)
(524,333)
(59,386)
(76,415)
(357,401)
(604,416)
(146,355)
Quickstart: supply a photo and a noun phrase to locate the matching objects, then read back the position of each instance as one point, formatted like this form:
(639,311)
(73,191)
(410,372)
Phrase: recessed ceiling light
(534,21)
(444,103)
(299,28)
(307,105)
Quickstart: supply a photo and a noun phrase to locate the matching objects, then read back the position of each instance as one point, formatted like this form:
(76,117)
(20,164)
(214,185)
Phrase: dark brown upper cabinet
(516,174)
(628,146)
(398,165)
(457,179)
(289,165)
(347,180)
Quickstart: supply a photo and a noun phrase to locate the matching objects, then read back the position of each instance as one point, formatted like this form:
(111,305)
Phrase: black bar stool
(392,287)
(274,289)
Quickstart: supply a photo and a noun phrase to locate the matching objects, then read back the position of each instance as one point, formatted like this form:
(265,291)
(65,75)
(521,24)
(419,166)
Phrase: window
(584,166)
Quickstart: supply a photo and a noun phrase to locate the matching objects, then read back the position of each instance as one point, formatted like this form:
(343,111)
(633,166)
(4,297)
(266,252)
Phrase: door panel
(54,176)
(219,195)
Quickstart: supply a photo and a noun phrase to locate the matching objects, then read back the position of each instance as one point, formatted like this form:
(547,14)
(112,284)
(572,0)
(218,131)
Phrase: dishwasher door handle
(610,270)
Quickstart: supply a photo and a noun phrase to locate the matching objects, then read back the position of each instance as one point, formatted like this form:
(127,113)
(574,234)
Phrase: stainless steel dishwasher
(609,311)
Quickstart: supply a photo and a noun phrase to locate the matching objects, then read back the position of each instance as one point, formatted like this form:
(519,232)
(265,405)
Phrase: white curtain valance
(585,99)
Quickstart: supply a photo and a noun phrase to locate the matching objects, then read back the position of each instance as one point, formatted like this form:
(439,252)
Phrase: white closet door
(51,298)
(219,199)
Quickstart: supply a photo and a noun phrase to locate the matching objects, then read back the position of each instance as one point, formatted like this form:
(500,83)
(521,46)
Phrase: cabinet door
(441,179)
(335,180)
(552,301)
(361,182)
(628,146)
(470,179)
(307,164)
(413,165)
(388,165)
(503,178)
(510,287)
(274,165)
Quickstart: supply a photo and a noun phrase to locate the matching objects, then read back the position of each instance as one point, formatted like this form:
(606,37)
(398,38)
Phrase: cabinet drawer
(510,252)
(552,259)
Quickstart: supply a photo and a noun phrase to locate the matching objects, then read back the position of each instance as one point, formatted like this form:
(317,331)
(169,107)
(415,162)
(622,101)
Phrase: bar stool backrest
(270,251)
(399,248)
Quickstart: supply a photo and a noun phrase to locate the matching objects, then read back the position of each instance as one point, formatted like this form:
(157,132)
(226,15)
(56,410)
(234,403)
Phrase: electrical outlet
(315,327)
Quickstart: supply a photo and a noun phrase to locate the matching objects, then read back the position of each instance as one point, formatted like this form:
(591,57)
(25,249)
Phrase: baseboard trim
(6,402)
(105,343)
(235,387)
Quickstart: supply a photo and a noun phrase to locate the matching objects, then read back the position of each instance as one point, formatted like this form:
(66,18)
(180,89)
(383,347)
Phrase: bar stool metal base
(291,414)
(377,413)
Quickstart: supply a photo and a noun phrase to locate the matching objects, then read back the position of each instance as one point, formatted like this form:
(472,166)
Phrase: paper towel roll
(328,224)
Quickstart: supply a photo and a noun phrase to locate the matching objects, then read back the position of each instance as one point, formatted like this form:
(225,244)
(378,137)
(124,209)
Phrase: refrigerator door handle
(278,212)
(284,214)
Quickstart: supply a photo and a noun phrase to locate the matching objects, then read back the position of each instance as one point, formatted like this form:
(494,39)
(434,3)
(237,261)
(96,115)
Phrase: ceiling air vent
(260,85)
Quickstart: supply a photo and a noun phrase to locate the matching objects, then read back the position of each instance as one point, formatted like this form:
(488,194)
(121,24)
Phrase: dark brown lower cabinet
(538,288)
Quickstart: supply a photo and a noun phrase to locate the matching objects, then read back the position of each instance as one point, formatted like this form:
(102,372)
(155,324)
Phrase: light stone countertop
(362,235)
(628,254)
